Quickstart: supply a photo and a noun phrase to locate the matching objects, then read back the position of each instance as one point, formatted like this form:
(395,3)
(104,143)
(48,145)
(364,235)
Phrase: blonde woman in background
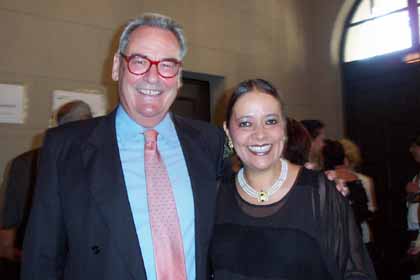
(353,161)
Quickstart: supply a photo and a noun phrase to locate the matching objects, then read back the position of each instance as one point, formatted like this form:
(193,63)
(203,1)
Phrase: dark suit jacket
(81,225)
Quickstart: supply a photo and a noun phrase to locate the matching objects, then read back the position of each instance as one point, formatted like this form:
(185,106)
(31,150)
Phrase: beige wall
(63,44)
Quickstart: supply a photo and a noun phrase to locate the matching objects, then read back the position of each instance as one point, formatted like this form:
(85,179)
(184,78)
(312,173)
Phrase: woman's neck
(262,179)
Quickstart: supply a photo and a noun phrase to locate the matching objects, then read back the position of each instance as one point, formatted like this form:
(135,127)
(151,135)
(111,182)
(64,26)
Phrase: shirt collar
(127,128)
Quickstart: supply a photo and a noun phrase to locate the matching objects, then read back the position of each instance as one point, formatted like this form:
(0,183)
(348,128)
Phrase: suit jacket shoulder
(207,138)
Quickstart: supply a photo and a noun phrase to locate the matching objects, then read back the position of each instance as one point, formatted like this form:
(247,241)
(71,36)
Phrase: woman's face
(256,129)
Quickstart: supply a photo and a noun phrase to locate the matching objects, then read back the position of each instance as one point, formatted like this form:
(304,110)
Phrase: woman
(298,143)
(334,159)
(353,161)
(275,219)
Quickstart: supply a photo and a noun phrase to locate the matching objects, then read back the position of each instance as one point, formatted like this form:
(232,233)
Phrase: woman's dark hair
(298,143)
(333,154)
(250,85)
(313,127)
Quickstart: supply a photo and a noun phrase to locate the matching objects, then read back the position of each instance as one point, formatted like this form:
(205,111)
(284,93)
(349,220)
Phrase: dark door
(382,113)
(193,100)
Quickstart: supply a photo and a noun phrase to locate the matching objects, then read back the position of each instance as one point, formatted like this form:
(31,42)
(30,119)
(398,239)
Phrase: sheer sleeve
(341,240)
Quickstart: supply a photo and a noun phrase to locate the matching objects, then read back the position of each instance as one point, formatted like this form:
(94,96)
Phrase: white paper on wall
(12,104)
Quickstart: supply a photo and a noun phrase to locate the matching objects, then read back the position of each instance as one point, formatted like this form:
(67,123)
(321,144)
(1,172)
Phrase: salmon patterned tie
(164,221)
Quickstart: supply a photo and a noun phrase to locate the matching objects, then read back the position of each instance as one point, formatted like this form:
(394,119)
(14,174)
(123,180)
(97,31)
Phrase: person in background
(411,262)
(413,189)
(297,150)
(353,161)
(316,130)
(298,144)
(19,192)
(413,199)
(276,219)
(19,188)
(76,110)
(334,159)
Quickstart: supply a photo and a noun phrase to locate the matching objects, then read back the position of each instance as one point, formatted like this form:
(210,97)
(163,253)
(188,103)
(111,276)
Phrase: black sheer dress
(308,234)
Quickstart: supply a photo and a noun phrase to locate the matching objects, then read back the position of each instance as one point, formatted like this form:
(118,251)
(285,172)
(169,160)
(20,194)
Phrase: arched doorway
(381,91)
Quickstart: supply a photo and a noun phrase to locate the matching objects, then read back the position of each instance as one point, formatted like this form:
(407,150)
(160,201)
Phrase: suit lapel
(106,181)
(203,190)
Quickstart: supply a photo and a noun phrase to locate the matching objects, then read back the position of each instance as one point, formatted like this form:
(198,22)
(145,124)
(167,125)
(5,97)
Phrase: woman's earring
(228,149)
(230,144)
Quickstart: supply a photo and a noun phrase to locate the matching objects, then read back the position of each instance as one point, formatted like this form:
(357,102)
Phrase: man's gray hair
(73,111)
(153,20)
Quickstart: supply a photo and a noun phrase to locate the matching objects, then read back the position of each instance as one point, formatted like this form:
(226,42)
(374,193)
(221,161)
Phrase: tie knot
(150,137)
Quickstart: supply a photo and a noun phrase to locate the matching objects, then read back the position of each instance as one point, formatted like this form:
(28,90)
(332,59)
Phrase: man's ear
(180,79)
(116,67)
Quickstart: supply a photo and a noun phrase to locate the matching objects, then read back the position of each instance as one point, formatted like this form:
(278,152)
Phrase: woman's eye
(244,124)
(271,122)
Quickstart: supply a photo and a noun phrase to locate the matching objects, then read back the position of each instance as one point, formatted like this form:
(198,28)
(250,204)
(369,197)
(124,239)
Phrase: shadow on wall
(106,79)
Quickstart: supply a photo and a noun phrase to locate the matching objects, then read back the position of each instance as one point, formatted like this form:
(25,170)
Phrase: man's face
(147,97)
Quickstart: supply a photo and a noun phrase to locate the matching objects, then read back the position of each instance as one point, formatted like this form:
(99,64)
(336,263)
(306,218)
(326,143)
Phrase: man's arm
(340,185)
(347,256)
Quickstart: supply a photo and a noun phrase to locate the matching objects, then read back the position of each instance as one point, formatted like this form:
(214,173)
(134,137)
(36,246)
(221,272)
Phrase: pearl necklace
(263,196)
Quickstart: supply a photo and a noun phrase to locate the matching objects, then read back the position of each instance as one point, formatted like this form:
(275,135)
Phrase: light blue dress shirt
(130,140)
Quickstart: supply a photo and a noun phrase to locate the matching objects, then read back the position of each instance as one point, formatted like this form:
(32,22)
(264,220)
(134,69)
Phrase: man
(19,188)
(19,193)
(76,110)
(90,218)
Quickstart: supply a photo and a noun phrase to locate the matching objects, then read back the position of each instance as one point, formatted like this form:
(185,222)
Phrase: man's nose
(152,75)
